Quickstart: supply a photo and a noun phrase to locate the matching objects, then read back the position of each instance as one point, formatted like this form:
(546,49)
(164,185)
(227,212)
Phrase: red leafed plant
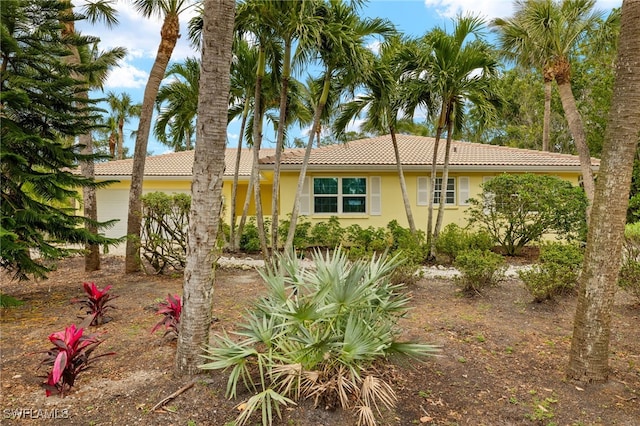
(69,356)
(97,302)
(170,309)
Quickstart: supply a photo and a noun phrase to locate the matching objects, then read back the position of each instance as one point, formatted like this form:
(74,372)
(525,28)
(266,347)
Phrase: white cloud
(232,136)
(127,76)
(489,9)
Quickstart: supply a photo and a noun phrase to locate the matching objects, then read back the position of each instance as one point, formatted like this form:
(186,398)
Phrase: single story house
(356,181)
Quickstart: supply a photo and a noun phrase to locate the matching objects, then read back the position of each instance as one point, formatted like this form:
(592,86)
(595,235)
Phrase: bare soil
(502,362)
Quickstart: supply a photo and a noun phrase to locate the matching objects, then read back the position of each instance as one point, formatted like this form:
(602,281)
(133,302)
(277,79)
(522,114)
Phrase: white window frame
(436,197)
(340,196)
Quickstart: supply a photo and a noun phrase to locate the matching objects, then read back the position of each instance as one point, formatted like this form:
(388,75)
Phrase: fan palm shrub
(318,333)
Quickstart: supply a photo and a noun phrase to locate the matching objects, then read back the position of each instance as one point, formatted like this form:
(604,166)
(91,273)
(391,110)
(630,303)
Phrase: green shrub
(453,239)
(478,269)
(557,272)
(327,234)
(412,248)
(519,209)
(318,333)
(629,278)
(365,242)
(249,240)
(300,237)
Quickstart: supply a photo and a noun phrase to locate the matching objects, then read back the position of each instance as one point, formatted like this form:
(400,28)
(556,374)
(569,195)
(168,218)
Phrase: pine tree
(40,111)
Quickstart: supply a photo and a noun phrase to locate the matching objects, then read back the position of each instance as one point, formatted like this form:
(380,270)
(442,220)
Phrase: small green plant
(327,234)
(250,241)
(453,240)
(479,269)
(300,237)
(318,333)
(7,301)
(97,302)
(70,355)
(542,409)
(170,310)
(556,274)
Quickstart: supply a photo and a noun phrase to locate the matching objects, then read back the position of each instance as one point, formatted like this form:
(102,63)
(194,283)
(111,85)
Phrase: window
(450,191)
(339,195)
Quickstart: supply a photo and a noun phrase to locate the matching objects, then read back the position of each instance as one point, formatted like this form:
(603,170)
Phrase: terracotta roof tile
(418,151)
(176,164)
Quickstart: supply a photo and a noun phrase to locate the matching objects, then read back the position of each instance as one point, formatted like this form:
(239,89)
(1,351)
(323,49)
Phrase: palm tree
(456,71)
(518,47)
(382,105)
(177,103)
(169,11)
(295,22)
(556,28)
(243,77)
(92,68)
(253,17)
(208,172)
(122,109)
(589,356)
(342,52)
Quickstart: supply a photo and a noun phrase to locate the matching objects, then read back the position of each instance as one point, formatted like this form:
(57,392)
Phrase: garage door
(113,204)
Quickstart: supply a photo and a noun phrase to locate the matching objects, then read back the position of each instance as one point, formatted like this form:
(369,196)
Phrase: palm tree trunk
(206,189)
(579,138)
(245,211)
(443,190)
(546,121)
(434,170)
(403,184)
(89,201)
(288,246)
(236,172)
(589,355)
(170,33)
(121,138)
(275,194)
(257,142)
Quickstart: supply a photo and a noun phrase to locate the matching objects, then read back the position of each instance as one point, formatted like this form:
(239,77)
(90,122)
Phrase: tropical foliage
(518,209)
(318,333)
(97,302)
(41,110)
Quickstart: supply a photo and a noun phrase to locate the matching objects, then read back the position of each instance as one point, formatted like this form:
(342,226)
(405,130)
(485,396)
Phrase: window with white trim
(450,191)
(338,195)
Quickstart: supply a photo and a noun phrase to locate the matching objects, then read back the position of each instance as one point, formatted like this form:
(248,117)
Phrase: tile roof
(418,151)
(177,164)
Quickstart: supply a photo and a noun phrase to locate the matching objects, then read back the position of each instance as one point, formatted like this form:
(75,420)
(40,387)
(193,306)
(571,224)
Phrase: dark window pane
(354,205)
(353,186)
(325,204)
(325,185)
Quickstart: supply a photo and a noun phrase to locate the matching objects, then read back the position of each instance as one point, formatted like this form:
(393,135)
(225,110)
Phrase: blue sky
(141,38)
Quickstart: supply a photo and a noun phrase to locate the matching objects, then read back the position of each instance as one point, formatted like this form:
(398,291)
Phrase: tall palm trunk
(589,355)
(305,162)
(546,121)
(403,184)
(236,172)
(120,150)
(245,210)
(206,189)
(89,201)
(87,169)
(275,195)
(434,170)
(257,142)
(579,138)
(443,189)
(169,33)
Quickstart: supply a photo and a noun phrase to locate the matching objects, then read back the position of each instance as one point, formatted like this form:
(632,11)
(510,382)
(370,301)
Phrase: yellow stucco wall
(392,206)
(391,198)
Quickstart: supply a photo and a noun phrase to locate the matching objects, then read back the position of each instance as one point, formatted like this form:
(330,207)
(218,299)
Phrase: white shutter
(423,191)
(375,196)
(463,190)
(305,198)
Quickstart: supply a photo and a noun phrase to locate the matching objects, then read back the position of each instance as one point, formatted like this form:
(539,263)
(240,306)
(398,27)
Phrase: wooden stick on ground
(173,395)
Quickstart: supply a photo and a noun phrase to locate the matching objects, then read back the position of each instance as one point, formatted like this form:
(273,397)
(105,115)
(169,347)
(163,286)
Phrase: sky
(141,37)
